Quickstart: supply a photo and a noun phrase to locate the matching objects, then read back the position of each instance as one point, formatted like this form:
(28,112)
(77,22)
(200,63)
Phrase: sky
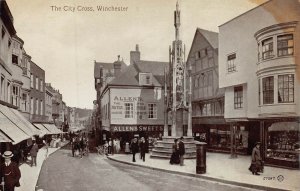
(66,43)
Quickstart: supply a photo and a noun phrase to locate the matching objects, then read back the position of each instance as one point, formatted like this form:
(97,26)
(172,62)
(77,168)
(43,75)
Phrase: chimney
(135,56)
(117,67)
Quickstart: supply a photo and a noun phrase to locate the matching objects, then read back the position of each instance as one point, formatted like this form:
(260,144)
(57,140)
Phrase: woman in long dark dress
(175,155)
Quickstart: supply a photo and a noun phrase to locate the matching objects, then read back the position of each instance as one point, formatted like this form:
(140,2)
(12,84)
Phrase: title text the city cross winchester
(81,8)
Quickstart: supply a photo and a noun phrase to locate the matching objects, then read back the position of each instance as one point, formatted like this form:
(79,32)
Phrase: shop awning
(4,138)
(76,128)
(42,128)
(52,128)
(285,126)
(30,129)
(11,130)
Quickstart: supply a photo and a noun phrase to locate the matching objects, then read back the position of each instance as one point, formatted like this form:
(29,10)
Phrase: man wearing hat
(256,163)
(10,172)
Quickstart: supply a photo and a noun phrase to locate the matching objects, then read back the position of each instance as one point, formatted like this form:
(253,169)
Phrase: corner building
(132,104)
(259,69)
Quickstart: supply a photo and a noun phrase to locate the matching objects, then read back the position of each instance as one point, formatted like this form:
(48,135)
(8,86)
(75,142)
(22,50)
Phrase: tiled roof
(130,76)
(108,66)
(211,37)
(99,65)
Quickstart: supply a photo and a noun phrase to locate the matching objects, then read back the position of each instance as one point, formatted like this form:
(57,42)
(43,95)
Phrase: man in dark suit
(134,148)
(181,151)
(10,172)
(33,153)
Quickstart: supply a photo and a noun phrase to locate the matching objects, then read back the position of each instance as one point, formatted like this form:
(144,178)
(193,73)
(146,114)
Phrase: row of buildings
(25,97)
(245,88)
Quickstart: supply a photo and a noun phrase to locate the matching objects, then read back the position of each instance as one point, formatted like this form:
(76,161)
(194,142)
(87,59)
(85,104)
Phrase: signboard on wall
(118,107)
(133,128)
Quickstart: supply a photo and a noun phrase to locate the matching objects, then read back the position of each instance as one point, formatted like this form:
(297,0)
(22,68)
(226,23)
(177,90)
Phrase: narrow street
(63,172)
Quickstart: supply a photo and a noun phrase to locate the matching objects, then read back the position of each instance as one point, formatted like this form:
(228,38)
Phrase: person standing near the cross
(181,151)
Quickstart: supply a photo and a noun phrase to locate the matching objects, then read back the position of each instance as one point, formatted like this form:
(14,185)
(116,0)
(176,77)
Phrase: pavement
(29,175)
(221,168)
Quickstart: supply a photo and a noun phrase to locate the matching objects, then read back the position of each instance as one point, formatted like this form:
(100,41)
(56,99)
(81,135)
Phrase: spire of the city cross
(177,21)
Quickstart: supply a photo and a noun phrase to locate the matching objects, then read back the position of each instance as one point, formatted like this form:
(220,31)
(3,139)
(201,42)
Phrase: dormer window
(145,79)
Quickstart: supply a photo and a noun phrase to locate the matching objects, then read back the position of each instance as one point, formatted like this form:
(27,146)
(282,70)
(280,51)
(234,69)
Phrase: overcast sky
(65,43)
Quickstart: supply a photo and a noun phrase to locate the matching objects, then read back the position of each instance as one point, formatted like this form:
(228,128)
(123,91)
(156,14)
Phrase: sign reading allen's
(132,128)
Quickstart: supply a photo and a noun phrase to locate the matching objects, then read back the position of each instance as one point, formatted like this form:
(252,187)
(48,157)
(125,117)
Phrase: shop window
(238,97)
(267,48)
(283,143)
(231,67)
(285,45)
(286,88)
(128,110)
(152,111)
(268,90)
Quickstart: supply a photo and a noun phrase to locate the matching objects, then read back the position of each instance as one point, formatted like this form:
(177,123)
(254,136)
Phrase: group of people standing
(178,151)
(137,146)
(79,146)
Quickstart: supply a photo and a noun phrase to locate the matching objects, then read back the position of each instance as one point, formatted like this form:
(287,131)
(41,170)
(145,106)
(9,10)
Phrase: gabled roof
(130,77)
(211,37)
(99,65)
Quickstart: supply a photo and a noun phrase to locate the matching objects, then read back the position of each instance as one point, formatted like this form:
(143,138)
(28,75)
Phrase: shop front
(282,143)
(125,133)
(224,137)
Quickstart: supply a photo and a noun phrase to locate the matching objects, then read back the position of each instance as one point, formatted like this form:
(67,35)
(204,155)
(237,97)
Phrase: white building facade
(259,70)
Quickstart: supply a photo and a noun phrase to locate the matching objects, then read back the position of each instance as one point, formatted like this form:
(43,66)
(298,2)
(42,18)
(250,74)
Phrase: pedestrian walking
(106,148)
(181,151)
(73,145)
(175,155)
(143,148)
(33,153)
(256,161)
(10,172)
(46,146)
(109,146)
(134,148)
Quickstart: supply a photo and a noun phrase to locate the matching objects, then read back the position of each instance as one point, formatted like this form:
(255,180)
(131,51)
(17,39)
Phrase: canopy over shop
(15,127)
(74,129)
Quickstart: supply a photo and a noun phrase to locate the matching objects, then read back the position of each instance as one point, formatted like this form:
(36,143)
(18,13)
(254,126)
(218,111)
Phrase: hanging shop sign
(133,128)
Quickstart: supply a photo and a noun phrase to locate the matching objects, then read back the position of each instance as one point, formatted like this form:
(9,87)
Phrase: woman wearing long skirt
(175,155)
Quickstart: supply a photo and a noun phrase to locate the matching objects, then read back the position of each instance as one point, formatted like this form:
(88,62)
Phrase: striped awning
(52,128)
(10,128)
(4,138)
(42,128)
